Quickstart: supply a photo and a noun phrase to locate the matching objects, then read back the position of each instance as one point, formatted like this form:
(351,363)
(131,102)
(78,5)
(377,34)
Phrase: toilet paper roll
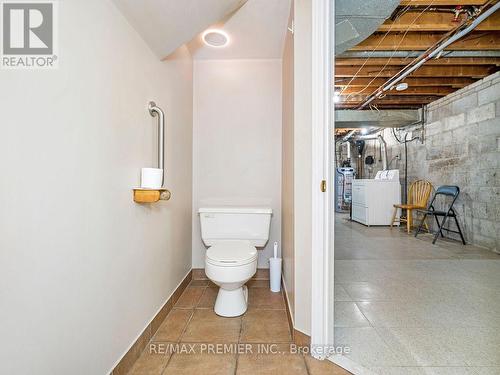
(275,274)
(151,178)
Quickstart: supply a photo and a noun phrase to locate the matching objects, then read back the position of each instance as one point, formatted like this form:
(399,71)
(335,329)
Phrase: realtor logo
(28,34)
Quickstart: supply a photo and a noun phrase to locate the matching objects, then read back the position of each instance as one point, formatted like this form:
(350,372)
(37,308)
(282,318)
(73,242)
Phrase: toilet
(232,235)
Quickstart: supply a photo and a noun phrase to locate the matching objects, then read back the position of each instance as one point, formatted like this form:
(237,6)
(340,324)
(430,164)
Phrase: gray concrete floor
(405,306)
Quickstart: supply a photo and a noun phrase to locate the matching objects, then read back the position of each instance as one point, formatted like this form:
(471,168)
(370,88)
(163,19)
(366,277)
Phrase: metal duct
(356,20)
(381,119)
(338,147)
(383,147)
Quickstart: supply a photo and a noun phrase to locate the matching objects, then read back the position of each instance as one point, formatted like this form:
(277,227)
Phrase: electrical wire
(405,142)
(423,57)
(371,53)
(393,53)
(400,14)
(395,136)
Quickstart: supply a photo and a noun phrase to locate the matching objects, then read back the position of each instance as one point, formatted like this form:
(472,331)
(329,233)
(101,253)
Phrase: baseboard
(298,337)
(126,363)
(287,305)
(301,339)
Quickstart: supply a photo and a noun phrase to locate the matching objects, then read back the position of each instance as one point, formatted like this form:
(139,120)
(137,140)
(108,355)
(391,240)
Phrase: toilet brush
(275,270)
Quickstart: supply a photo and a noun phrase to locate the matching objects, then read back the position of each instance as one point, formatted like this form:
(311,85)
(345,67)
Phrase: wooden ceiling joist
(400,61)
(453,82)
(418,41)
(391,105)
(389,98)
(425,71)
(435,21)
(437,91)
(417,28)
(441,2)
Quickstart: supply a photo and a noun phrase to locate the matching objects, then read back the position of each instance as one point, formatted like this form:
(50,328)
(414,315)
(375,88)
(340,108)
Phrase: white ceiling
(165,25)
(256,27)
(256,30)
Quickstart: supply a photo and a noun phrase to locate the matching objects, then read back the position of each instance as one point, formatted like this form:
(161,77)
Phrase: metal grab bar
(154,111)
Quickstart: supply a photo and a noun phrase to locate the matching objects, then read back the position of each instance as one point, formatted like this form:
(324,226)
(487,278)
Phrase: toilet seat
(231,254)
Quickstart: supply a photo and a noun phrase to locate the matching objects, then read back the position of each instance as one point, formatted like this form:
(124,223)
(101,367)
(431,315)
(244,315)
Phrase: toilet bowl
(232,235)
(230,264)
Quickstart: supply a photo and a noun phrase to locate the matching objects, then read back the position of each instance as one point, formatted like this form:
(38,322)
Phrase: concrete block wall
(461,146)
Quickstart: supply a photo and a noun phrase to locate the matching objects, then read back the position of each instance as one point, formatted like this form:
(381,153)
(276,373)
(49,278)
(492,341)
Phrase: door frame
(322,241)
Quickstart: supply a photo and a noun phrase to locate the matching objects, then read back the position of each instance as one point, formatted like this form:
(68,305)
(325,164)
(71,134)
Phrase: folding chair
(447,191)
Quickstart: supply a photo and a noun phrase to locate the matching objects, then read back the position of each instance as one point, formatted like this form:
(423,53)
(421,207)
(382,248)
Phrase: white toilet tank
(235,223)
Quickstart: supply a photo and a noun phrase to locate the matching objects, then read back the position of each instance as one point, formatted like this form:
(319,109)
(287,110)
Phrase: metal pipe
(445,44)
(403,74)
(383,150)
(156,111)
(348,144)
(338,147)
(348,135)
(412,54)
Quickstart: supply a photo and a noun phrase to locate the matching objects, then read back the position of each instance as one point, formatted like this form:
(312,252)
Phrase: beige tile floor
(193,326)
(405,306)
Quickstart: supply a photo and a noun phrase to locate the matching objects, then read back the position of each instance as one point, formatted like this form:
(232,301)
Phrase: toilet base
(231,303)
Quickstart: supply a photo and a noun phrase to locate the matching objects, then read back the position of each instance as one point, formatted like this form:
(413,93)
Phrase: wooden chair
(418,195)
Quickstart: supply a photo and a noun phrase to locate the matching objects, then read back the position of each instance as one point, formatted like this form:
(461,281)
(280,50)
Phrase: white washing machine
(373,199)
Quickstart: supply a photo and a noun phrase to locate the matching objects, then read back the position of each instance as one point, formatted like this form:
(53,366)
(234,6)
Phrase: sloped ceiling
(257,27)
(167,24)
(257,31)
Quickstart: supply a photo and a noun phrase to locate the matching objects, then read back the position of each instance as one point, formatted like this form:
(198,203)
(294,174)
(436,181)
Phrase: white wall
(237,141)
(302,163)
(83,269)
(460,147)
(287,183)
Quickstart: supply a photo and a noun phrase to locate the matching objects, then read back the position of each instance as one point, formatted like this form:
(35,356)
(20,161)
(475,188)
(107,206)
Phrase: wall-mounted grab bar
(154,111)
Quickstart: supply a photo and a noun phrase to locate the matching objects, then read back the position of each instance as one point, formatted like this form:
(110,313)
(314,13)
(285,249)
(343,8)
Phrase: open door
(322,331)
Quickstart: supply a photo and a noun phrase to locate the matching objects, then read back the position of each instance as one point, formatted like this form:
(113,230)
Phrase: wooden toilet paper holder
(151,195)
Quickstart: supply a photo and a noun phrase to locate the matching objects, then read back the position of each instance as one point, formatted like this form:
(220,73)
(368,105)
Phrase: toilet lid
(231,253)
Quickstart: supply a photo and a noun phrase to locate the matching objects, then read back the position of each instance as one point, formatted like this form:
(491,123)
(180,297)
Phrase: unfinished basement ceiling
(412,28)
(357,20)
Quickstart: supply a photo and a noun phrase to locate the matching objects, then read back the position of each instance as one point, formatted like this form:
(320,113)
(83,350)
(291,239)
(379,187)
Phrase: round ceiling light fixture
(215,38)
(401,86)
(336,97)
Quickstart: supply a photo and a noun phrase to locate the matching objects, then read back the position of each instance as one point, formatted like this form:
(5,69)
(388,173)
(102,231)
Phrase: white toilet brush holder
(275,271)
(275,274)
